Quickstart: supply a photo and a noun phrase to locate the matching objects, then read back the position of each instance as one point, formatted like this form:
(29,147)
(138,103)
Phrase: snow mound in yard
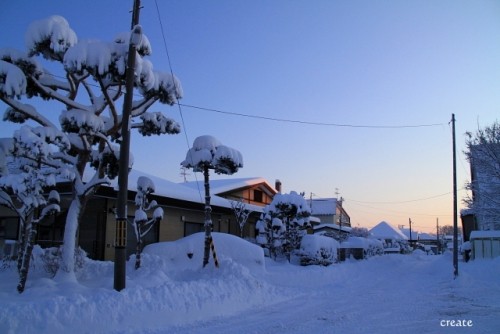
(187,253)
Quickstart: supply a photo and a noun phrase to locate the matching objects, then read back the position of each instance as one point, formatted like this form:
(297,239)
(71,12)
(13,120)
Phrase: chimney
(277,185)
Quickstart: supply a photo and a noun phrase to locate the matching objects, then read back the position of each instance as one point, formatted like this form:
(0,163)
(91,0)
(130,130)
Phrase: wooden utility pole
(455,208)
(121,210)
(437,236)
(409,220)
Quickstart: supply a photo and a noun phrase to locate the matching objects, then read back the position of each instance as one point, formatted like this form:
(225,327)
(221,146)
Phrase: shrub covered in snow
(317,250)
(51,259)
(283,223)
(362,248)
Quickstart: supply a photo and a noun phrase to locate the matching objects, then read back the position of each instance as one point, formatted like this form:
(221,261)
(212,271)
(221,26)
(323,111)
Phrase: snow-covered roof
(426,236)
(178,191)
(484,234)
(221,186)
(385,231)
(413,235)
(323,206)
(333,227)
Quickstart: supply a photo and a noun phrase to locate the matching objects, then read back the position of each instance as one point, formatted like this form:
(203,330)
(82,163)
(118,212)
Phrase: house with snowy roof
(182,203)
(393,239)
(333,218)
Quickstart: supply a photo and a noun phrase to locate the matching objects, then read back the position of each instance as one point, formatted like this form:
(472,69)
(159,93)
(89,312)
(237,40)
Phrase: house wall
(97,230)
(248,195)
(178,223)
(485,248)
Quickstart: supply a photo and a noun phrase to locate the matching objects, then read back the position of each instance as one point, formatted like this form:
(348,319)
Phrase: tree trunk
(208,218)
(138,249)
(67,265)
(26,257)
(22,240)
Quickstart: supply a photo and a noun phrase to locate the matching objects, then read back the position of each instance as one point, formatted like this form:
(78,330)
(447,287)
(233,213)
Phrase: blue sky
(374,63)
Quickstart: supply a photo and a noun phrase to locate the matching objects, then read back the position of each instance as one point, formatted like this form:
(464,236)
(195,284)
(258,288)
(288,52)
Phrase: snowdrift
(187,253)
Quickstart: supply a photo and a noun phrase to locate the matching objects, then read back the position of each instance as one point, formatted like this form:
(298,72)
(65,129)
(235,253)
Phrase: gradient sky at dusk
(373,67)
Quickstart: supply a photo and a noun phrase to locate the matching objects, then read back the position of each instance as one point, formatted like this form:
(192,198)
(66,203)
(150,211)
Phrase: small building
(333,220)
(485,244)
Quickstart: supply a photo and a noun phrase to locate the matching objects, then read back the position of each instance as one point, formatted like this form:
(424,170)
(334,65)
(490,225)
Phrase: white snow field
(172,293)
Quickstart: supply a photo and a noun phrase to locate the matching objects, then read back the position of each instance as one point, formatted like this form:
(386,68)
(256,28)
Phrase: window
(258,196)
(9,227)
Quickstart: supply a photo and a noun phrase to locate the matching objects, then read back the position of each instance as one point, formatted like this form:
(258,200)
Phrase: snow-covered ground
(171,293)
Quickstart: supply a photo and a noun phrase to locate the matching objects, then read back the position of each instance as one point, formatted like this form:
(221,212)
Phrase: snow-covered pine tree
(89,89)
(208,153)
(23,187)
(141,223)
(50,208)
(288,210)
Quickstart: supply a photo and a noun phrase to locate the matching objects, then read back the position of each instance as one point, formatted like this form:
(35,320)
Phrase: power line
(402,202)
(179,106)
(275,119)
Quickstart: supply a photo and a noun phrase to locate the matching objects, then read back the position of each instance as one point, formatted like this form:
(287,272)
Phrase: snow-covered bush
(362,248)
(141,223)
(375,247)
(283,223)
(51,259)
(317,250)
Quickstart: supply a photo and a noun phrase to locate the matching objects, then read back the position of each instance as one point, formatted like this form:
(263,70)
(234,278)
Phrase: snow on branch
(143,46)
(156,123)
(12,80)
(50,37)
(208,151)
(93,56)
(81,121)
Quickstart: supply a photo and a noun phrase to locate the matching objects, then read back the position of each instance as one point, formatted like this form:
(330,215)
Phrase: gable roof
(222,186)
(179,191)
(385,231)
(323,206)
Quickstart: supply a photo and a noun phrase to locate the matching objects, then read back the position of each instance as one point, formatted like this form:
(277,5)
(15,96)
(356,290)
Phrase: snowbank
(170,289)
(173,294)
(187,253)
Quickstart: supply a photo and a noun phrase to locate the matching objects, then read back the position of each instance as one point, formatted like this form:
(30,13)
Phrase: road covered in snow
(386,294)
(172,293)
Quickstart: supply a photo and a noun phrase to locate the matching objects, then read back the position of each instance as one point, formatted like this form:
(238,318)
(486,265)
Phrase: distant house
(429,242)
(183,206)
(412,235)
(394,240)
(333,219)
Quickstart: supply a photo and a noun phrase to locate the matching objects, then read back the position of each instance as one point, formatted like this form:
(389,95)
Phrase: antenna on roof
(184,173)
